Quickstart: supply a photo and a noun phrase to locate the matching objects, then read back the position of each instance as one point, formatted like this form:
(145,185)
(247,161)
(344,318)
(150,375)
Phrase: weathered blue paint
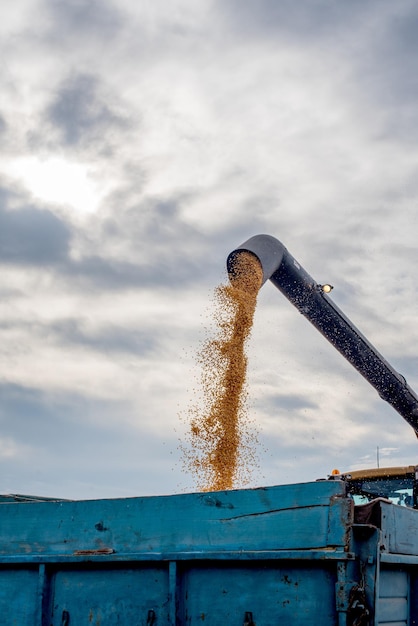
(291,555)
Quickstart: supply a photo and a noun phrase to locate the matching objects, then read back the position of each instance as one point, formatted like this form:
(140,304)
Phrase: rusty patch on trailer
(99,552)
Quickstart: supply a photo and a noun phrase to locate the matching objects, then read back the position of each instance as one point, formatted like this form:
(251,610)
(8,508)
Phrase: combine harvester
(290,555)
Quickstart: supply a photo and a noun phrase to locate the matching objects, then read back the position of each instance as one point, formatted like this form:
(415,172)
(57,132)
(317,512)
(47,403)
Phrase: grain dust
(221,441)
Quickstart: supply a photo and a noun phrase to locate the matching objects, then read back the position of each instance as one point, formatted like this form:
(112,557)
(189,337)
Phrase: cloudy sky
(140,143)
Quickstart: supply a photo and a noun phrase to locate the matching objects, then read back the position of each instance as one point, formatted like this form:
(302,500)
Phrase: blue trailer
(292,555)
(289,555)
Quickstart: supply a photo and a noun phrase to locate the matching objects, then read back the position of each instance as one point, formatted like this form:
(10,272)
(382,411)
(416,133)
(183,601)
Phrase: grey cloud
(80,113)
(158,224)
(95,19)
(69,445)
(395,47)
(7,292)
(308,19)
(101,273)
(156,227)
(386,75)
(108,339)
(379,61)
(38,419)
(168,263)
(22,412)
(273,404)
(30,235)
(403,31)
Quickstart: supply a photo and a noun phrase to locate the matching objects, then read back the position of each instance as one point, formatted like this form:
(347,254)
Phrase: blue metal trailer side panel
(393,598)
(291,555)
(273,518)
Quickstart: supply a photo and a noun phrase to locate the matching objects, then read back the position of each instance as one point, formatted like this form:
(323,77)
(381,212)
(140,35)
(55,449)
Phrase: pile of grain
(221,442)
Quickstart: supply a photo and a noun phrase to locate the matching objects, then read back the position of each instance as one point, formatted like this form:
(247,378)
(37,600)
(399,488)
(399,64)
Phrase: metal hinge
(248,619)
(358,613)
(351,598)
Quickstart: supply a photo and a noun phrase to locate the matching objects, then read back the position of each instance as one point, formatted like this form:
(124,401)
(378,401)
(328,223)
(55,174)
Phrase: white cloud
(140,145)
(55,180)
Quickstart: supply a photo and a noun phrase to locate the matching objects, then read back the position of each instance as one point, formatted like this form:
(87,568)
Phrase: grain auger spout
(311,299)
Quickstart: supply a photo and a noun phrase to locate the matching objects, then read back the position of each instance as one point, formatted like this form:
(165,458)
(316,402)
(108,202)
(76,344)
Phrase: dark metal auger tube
(310,299)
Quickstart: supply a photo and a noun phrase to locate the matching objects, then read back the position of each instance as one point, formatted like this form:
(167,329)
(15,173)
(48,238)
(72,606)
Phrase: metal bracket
(65,619)
(358,613)
(248,619)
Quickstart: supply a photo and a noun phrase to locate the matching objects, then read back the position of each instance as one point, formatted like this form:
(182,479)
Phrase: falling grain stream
(220,440)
